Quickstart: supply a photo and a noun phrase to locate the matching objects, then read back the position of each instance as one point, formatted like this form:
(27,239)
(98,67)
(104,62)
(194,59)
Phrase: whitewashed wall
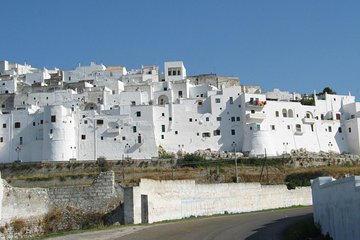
(169,200)
(336,206)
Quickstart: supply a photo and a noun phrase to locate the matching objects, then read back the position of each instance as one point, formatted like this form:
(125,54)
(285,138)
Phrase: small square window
(162,136)
(217,100)
(218,119)
(190,119)
(176,132)
(232,131)
(233,119)
(163,114)
(34,124)
(134,129)
(85,121)
(207,119)
(288,127)
(51,131)
(340,130)
(99,122)
(238,119)
(114,139)
(53,118)
(329,128)
(41,121)
(4,125)
(123,138)
(138,114)
(102,138)
(17,124)
(83,137)
(349,130)
(272,127)
(170,119)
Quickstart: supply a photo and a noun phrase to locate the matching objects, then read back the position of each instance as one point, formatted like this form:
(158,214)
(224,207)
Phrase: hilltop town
(108,112)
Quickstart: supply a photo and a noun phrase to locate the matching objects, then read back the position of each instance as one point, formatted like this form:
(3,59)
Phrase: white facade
(118,113)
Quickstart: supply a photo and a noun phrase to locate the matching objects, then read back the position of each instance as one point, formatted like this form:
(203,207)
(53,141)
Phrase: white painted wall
(168,200)
(336,206)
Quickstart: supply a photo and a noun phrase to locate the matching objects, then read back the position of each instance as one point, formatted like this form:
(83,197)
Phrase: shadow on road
(274,230)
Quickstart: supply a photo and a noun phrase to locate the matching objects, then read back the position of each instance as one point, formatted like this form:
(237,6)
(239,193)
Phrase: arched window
(284,113)
(290,113)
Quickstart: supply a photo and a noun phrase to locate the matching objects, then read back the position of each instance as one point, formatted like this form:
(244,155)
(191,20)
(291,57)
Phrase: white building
(109,112)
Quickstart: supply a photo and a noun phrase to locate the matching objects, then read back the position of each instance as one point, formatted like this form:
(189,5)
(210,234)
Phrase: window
(312,127)
(218,119)
(238,119)
(217,100)
(298,127)
(233,119)
(85,121)
(252,111)
(21,140)
(276,113)
(34,124)
(99,122)
(205,134)
(176,132)
(53,118)
(123,138)
(231,100)
(138,114)
(207,119)
(288,127)
(101,138)
(349,130)
(180,94)
(291,113)
(322,117)
(169,73)
(217,132)
(232,131)
(272,127)
(69,78)
(115,139)
(329,128)
(338,116)
(170,118)
(51,131)
(190,119)
(134,129)
(162,136)
(83,137)
(4,125)
(1,139)
(17,124)
(250,128)
(139,138)
(258,127)
(284,113)
(41,121)
(162,128)
(340,130)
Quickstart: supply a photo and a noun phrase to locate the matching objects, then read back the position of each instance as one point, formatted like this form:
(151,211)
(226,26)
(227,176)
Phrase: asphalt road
(252,226)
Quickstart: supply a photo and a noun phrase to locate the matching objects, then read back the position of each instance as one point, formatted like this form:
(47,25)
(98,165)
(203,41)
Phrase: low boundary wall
(154,201)
(336,206)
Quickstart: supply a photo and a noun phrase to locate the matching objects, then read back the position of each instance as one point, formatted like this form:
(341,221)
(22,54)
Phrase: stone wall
(336,206)
(24,203)
(154,201)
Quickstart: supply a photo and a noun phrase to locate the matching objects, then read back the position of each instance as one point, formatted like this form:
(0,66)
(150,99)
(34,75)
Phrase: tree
(328,91)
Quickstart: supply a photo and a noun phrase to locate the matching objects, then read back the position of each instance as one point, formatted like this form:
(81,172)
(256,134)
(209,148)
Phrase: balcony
(255,117)
(309,120)
(255,104)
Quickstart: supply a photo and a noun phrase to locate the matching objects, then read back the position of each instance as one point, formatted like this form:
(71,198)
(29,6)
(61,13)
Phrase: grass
(304,229)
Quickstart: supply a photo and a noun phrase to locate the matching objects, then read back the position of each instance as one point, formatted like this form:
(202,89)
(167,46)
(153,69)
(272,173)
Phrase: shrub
(18,224)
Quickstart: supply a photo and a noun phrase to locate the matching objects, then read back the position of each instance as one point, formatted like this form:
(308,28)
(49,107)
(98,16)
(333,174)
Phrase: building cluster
(110,112)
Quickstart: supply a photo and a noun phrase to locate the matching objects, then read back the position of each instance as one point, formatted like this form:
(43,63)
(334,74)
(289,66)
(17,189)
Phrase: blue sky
(292,45)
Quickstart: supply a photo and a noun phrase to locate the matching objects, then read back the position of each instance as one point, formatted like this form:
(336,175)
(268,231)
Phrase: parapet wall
(336,206)
(154,201)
